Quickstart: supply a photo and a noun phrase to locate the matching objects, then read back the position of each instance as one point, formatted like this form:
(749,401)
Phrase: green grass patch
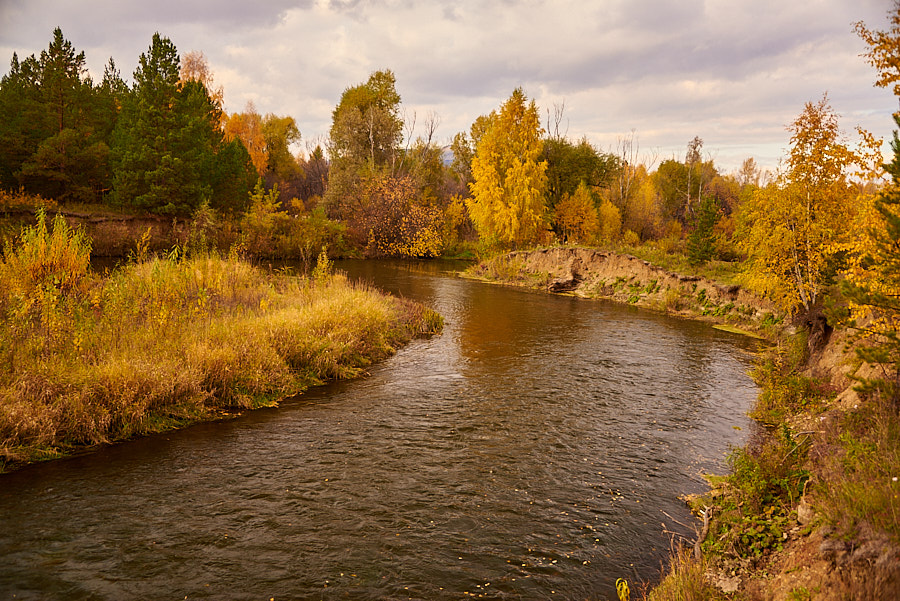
(737,330)
(725,272)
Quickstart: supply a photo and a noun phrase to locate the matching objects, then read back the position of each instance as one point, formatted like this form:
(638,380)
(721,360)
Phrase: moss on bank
(157,344)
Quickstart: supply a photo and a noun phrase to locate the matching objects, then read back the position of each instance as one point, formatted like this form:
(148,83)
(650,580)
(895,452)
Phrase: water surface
(535,450)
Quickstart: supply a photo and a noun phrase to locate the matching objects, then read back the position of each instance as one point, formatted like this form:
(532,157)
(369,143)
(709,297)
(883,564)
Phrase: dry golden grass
(685,581)
(165,342)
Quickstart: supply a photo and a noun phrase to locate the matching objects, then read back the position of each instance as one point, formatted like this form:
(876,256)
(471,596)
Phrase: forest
(384,187)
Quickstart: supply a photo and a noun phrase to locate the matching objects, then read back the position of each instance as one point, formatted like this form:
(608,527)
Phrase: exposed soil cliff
(111,235)
(593,273)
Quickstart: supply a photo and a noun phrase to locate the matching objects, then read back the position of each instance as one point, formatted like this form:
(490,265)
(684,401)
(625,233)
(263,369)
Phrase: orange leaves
(248,128)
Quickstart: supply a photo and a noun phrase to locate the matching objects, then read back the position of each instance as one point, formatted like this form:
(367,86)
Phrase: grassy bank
(161,342)
(809,509)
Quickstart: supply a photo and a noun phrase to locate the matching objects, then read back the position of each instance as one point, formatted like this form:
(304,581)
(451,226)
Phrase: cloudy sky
(734,72)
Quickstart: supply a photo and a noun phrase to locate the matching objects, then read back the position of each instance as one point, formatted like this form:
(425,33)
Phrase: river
(535,450)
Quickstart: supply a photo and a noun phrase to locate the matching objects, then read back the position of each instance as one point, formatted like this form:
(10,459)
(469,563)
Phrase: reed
(156,344)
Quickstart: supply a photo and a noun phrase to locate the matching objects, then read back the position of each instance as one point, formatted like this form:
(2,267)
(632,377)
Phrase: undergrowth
(784,390)
(685,580)
(861,463)
(754,505)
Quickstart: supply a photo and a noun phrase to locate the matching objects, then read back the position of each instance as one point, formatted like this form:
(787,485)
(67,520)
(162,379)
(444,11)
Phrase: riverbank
(809,508)
(165,342)
(593,273)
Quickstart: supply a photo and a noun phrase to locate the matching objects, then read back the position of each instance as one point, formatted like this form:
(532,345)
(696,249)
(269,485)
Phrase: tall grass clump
(161,342)
(685,581)
(861,463)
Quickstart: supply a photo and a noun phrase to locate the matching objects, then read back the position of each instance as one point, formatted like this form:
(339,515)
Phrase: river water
(535,450)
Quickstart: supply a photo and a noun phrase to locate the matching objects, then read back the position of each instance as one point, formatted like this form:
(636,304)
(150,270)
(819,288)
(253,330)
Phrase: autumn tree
(394,222)
(364,138)
(872,276)
(884,50)
(682,184)
(195,67)
(463,149)
(570,164)
(576,216)
(315,168)
(247,126)
(791,226)
(610,221)
(508,206)
(642,210)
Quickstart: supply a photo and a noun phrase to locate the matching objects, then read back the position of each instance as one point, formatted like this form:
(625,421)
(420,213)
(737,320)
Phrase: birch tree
(792,226)
(508,206)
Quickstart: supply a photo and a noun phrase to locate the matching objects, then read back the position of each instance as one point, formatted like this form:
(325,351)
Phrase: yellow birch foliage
(884,51)
(791,228)
(642,211)
(508,206)
(576,216)
(610,221)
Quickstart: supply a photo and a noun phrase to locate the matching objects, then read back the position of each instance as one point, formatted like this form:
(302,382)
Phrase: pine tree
(169,154)
(53,135)
(701,241)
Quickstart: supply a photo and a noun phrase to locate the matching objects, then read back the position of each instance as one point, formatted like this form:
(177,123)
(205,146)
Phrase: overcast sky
(734,72)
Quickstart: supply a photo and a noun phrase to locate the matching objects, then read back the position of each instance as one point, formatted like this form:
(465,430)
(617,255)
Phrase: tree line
(164,145)
(383,184)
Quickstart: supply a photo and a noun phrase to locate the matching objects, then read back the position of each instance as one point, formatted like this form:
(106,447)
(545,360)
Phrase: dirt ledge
(593,273)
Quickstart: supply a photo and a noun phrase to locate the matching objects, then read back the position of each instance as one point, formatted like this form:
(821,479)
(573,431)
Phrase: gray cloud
(733,72)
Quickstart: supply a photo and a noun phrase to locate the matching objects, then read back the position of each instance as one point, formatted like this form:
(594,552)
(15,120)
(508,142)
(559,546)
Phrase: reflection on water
(534,450)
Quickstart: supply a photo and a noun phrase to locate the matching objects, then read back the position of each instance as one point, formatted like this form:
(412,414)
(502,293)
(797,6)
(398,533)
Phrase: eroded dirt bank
(592,273)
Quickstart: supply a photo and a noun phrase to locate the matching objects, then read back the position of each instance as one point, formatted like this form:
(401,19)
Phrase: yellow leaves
(507,204)
(576,216)
(398,220)
(792,229)
(884,51)
(610,221)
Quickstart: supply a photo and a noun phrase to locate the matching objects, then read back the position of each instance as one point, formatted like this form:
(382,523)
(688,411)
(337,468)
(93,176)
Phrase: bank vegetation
(163,341)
